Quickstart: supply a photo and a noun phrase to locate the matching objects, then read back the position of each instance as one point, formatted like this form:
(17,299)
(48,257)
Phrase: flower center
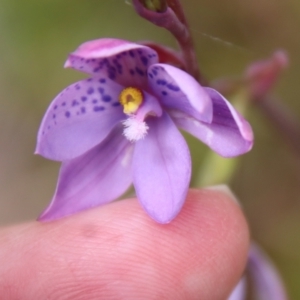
(131,99)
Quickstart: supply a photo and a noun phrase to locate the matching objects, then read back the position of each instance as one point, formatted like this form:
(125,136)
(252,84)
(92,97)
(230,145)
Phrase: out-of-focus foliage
(35,39)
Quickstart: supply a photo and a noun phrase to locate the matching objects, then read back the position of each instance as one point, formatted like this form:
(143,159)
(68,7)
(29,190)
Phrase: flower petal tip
(162,218)
(165,213)
(247,132)
(67,64)
(163,221)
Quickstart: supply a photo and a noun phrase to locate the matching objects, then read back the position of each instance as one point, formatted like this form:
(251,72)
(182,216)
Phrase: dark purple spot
(75,103)
(93,60)
(106,98)
(112,69)
(116,104)
(161,82)
(111,76)
(131,72)
(101,90)
(99,108)
(87,61)
(120,69)
(83,98)
(90,91)
(173,87)
(102,80)
(140,52)
(54,116)
(67,114)
(124,53)
(139,71)
(77,86)
(94,101)
(89,80)
(81,67)
(164,93)
(55,107)
(144,60)
(96,70)
(154,72)
(150,75)
(119,56)
(63,104)
(131,53)
(82,109)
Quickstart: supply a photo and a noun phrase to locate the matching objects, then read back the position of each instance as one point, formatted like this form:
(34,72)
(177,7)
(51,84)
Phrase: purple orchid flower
(120,127)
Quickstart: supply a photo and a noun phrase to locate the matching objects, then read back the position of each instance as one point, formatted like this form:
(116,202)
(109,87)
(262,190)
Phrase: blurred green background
(36,37)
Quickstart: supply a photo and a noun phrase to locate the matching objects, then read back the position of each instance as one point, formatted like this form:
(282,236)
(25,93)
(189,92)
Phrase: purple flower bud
(262,75)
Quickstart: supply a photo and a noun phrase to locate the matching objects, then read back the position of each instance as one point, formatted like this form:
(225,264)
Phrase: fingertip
(118,252)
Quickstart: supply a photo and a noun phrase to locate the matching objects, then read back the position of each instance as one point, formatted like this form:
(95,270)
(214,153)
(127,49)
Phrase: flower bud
(262,75)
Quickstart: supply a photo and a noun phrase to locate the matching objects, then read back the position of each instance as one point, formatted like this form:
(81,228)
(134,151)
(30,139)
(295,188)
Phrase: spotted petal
(229,134)
(79,118)
(178,90)
(161,169)
(95,178)
(122,61)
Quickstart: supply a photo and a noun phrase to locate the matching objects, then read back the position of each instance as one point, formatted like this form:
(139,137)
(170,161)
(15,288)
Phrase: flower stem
(189,56)
(186,43)
(282,118)
(178,10)
(173,19)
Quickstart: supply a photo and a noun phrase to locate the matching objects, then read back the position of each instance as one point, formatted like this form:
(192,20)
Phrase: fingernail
(223,188)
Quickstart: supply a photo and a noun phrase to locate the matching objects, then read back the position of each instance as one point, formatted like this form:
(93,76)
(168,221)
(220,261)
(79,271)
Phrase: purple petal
(79,118)
(229,134)
(122,61)
(178,90)
(161,169)
(239,292)
(266,280)
(95,178)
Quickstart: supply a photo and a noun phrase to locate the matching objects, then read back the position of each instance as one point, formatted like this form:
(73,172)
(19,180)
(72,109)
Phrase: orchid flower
(121,126)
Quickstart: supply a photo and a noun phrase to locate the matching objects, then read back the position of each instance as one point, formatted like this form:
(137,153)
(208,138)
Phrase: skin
(118,252)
